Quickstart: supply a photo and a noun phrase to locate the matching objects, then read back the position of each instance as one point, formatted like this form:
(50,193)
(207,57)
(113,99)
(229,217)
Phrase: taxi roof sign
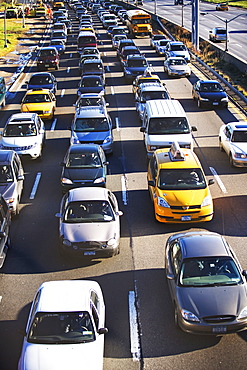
(175,152)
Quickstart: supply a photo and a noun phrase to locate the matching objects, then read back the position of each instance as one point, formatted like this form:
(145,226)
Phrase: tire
(16,213)
(56,67)
(176,316)
(220,145)
(231,160)
(3,103)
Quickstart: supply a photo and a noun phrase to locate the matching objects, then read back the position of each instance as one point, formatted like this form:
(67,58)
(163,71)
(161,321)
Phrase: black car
(5,222)
(209,93)
(122,44)
(85,57)
(42,80)
(84,165)
(91,84)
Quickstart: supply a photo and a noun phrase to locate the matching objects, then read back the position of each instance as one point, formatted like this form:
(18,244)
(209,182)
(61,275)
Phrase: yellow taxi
(40,101)
(86,29)
(178,187)
(222,6)
(146,77)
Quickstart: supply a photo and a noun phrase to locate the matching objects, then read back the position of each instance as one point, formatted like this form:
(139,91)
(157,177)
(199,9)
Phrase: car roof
(93,77)
(5,156)
(80,148)
(211,244)
(93,61)
(42,74)
(165,159)
(47,48)
(90,95)
(88,193)
(209,82)
(90,112)
(38,91)
(66,295)
(136,56)
(17,117)
(152,86)
(240,125)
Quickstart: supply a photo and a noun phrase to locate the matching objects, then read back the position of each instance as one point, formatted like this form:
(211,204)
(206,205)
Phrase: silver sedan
(177,67)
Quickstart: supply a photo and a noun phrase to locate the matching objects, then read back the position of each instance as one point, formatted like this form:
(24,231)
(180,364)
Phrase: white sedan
(65,327)
(233,140)
(177,67)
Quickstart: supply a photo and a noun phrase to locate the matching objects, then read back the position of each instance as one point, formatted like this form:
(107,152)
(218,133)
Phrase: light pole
(5,29)
(155,7)
(183,5)
(226,21)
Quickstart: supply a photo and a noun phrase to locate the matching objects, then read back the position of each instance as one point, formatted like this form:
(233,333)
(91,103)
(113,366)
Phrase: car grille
(91,245)
(182,208)
(142,29)
(99,142)
(17,148)
(219,319)
(38,111)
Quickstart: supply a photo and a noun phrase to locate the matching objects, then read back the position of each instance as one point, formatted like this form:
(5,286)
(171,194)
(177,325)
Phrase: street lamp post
(226,21)
(183,5)
(5,29)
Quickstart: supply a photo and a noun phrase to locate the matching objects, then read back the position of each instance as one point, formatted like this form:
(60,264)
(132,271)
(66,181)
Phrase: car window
(85,159)
(181,179)
(163,125)
(88,211)
(91,124)
(6,174)
(239,136)
(176,257)
(95,299)
(95,317)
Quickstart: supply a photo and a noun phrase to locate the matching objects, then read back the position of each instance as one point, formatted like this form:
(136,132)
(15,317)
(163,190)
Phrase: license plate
(219,329)
(186,218)
(89,253)
(215,103)
(46,65)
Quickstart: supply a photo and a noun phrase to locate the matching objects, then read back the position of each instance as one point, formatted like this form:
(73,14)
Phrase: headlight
(128,72)
(163,203)
(243,314)
(203,99)
(111,243)
(10,200)
(64,180)
(151,148)
(206,201)
(67,243)
(189,316)
(239,155)
(47,111)
(108,139)
(99,180)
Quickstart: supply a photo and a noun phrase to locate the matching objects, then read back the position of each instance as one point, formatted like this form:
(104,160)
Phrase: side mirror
(103,331)
(119,213)
(2,234)
(170,276)
(194,128)
(211,182)
(69,128)
(142,129)
(20,178)
(107,104)
(62,164)
(244,273)
(58,215)
(151,183)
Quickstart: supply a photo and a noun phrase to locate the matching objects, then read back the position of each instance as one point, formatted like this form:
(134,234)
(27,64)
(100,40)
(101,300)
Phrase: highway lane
(237,28)
(35,258)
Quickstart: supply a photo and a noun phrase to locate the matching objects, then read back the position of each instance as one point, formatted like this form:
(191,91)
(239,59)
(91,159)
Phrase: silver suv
(11,179)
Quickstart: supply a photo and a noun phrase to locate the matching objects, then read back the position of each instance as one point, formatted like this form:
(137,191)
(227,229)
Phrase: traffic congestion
(119,167)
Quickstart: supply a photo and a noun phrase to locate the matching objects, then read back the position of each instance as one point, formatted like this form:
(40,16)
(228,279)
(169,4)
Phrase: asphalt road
(237,28)
(34,256)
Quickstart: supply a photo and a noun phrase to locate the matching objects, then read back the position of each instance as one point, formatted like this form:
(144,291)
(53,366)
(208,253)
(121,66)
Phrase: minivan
(85,39)
(165,121)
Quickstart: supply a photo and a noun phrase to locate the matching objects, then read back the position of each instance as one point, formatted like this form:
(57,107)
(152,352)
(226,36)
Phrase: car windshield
(147,80)
(91,124)
(20,130)
(131,51)
(153,95)
(57,42)
(209,271)
(220,32)
(47,53)
(181,179)
(40,80)
(61,328)
(92,67)
(178,47)
(177,62)
(239,137)
(161,126)
(88,102)
(83,160)
(211,87)
(88,211)
(90,51)
(86,82)
(36,98)
(141,21)
(163,42)
(137,63)
(6,174)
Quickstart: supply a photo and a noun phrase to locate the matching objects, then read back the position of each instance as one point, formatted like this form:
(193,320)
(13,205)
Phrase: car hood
(181,53)
(7,190)
(94,231)
(33,107)
(185,197)
(211,301)
(239,147)
(18,141)
(91,137)
(136,69)
(164,140)
(87,356)
(47,58)
(178,68)
(83,174)
(213,95)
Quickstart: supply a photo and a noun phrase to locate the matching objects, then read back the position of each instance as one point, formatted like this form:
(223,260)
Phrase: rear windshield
(86,40)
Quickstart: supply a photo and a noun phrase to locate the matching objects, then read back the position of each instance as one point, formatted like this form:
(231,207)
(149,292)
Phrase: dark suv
(48,58)
(5,221)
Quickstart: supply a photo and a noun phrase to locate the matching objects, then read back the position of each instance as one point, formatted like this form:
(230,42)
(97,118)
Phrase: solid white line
(68,69)
(1,298)
(217,178)
(124,189)
(112,90)
(117,124)
(134,339)
(62,93)
(53,124)
(35,185)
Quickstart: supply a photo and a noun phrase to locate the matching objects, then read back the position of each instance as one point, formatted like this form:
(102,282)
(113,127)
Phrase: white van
(165,121)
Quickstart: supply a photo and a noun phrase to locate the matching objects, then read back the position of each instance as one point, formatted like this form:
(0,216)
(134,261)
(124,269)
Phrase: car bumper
(212,329)
(94,253)
(239,162)
(168,215)
(214,104)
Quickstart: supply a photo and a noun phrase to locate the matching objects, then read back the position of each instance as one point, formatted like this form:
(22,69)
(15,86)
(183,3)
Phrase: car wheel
(199,104)
(3,103)
(57,66)
(220,145)
(231,160)
(16,212)
(176,316)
